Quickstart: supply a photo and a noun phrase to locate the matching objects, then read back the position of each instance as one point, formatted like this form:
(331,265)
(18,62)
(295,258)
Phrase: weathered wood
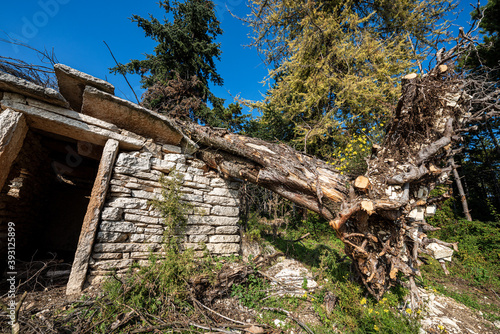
(13,129)
(91,220)
(362,183)
(461,191)
(298,177)
(62,125)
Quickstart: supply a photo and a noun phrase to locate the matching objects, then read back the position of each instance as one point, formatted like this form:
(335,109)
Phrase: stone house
(79,167)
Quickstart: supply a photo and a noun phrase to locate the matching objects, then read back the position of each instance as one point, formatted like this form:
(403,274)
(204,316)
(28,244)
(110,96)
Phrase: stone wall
(130,227)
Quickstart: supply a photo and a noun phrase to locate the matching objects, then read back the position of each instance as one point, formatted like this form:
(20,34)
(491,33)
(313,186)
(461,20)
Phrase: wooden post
(13,129)
(91,220)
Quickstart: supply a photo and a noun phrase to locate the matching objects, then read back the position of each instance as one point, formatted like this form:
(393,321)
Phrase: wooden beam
(13,129)
(91,220)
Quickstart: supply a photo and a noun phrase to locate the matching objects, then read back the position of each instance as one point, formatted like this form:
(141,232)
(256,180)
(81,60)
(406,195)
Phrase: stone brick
(119,189)
(106,256)
(223,192)
(153,175)
(223,248)
(171,149)
(195,171)
(217,200)
(173,157)
(162,165)
(129,203)
(111,264)
(141,218)
(124,247)
(192,198)
(118,226)
(224,238)
(144,194)
(112,213)
(150,230)
(200,179)
(195,185)
(218,182)
(150,213)
(194,246)
(225,211)
(198,238)
(197,229)
(111,237)
(130,161)
(227,230)
(212,220)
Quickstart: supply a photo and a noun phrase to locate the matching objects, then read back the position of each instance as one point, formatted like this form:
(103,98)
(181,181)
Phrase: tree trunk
(381,220)
(461,192)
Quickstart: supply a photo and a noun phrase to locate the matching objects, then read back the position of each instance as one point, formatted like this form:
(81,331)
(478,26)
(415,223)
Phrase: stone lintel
(72,83)
(11,83)
(132,117)
(69,127)
(91,220)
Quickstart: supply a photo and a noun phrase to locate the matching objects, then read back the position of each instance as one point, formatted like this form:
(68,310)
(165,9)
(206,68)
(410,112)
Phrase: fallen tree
(377,215)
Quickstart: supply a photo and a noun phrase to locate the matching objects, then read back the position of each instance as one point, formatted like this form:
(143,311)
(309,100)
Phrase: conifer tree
(337,64)
(178,73)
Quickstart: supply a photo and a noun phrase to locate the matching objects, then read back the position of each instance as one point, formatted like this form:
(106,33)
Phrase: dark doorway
(46,196)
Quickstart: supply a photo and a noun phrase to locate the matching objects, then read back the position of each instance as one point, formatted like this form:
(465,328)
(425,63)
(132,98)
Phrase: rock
(223,248)
(224,238)
(440,251)
(111,213)
(10,83)
(279,323)
(430,210)
(132,117)
(139,164)
(91,220)
(118,226)
(141,218)
(211,220)
(128,203)
(171,149)
(162,165)
(63,125)
(255,329)
(72,83)
(225,211)
(111,237)
(226,230)
(197,229)
(13,130)
(198,238)
(124,247)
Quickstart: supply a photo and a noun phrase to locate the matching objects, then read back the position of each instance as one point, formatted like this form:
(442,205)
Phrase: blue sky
(76,30)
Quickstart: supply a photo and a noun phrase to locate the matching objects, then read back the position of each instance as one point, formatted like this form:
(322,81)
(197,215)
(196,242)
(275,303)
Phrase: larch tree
(337,64)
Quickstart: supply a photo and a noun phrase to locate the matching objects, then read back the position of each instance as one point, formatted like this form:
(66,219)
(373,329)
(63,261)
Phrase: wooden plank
(13,129)
(91,220)
(62,125)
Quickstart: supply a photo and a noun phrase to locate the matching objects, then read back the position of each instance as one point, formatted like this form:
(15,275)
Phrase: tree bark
(381,219)
(461,192)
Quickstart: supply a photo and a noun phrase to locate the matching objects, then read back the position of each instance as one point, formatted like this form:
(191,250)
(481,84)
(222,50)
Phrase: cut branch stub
(362,183)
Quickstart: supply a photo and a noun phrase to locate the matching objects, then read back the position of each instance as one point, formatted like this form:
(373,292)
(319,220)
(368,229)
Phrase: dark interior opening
(46,196)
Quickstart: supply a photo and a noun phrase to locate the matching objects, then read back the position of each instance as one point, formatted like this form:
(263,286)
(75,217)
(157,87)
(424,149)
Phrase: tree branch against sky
(337,64)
